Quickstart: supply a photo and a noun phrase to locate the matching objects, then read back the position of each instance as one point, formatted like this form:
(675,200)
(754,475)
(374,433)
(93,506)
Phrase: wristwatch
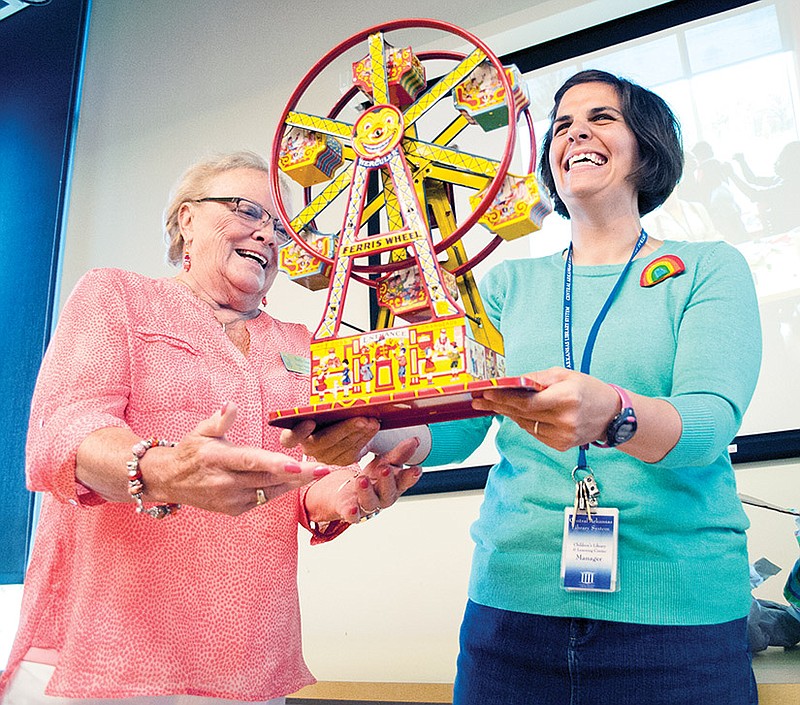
(623,426)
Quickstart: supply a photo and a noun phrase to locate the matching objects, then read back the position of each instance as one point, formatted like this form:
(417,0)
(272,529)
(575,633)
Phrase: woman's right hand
(205,470)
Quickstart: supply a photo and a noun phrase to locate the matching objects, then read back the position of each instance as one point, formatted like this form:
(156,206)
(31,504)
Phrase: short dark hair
(657,132)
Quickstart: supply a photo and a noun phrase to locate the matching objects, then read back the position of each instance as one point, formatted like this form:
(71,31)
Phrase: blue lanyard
(586,360)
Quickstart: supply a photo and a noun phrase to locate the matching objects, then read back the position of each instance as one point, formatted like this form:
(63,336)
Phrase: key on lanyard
(586,493)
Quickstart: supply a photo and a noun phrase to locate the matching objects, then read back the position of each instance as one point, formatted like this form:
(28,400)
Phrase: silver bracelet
(136,484)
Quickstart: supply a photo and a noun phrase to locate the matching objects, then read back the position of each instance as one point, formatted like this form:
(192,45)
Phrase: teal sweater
(692,339)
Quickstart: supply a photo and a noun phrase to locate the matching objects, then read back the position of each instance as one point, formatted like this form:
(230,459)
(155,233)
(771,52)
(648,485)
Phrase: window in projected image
(732,80)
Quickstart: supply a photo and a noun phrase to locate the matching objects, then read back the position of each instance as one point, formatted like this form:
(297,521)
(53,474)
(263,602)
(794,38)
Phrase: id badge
(589,550)
(296,363)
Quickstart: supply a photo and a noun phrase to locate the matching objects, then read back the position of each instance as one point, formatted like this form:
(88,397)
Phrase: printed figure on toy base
(388,201)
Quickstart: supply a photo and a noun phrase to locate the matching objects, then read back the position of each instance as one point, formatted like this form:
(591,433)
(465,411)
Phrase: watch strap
(626,412)
(623,396)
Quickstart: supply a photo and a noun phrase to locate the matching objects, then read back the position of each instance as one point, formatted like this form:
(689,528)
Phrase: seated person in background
(778,196)
(719,201)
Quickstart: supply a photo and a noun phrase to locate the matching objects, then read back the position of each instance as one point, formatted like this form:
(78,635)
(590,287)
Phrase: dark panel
(41,53)
(623,29)
(758,447)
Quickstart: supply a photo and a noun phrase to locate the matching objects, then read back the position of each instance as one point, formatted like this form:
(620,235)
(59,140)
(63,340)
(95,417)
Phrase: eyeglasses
(251,212)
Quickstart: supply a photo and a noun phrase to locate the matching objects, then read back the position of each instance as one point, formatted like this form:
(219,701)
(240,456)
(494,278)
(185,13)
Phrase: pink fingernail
(354,510)
(321,471)
(292,467)
(385,472)
(223,408)
(363,483)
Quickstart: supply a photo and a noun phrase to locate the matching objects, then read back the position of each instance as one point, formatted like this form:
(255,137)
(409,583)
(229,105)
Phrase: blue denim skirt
(515,658)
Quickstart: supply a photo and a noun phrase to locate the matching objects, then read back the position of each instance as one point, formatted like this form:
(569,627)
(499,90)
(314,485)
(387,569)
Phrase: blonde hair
(193,184)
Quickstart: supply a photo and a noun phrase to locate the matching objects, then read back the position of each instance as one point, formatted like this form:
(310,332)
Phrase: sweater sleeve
(83,385)
(455,441)
(717,359)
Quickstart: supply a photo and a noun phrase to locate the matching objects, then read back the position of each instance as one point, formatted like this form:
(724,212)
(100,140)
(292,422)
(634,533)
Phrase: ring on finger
(261,496)
(536,429)
(367,515)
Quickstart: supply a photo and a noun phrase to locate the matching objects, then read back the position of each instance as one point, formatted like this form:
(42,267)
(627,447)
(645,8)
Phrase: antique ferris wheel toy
(394,178)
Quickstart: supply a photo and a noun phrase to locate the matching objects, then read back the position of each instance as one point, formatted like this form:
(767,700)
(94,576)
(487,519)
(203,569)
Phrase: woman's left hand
(573,409)
(352,495)
(341,443)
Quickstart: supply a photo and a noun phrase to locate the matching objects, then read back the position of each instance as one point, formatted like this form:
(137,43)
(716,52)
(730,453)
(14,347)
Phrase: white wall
(167,82)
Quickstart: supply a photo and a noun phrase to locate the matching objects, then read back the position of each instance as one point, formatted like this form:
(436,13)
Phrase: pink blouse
(197,603)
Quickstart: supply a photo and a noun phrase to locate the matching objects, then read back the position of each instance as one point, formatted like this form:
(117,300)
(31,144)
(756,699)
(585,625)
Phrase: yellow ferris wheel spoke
(416,150)
(452,131)
(328,126)
(425,168)
(454,176)
(377,59)
(430,97)
(323,199)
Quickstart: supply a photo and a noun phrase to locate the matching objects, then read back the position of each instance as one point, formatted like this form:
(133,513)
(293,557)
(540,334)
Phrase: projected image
(732,79)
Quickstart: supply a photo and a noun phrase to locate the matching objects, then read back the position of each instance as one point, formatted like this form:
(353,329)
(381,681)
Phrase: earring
(187,261)
(264,301)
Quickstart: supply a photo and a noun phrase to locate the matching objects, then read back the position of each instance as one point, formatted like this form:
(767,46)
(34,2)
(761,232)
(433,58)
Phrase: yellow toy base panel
(404,408)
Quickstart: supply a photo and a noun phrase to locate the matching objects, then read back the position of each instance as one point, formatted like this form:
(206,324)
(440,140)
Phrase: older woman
(616,574)
(166,555)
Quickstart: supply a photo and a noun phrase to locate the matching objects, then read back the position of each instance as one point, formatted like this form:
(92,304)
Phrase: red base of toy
(398,409)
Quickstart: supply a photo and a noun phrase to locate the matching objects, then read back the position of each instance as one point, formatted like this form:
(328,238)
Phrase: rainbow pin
(660,269)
